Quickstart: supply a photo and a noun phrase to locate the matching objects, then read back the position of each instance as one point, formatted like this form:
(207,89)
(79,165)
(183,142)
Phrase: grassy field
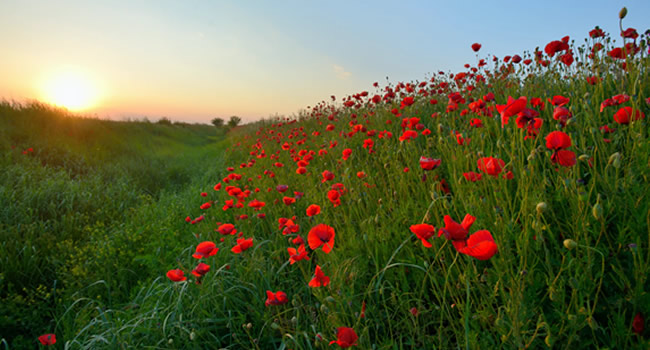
(543,160)
(83,202)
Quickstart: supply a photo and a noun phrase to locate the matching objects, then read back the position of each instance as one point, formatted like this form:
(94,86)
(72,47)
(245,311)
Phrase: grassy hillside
(82,202)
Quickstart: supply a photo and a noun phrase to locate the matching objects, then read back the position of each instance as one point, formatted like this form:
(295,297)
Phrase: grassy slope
(532,293)
(85,206)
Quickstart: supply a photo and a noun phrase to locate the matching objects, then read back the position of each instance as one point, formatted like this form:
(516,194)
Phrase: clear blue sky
(195,60)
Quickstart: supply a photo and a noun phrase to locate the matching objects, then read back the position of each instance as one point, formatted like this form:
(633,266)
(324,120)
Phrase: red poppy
(321,235)
(227,229)
(257,205)
(289,200)
(638,323)
(319,280)
(297,254)
(407,101)
(313,210)
(513,107)
(429,163)
(476,47)
(596,33)
(205,249)
(479,245)
(490,165)
(277,298)
(557,140)
(555,46)
(630,33)
(559,100)
(176,275)
(334,197)
(564,158)
(346,153)
(206,205)
(327,176)
(472,176)
(242,245)
(561,114)
(455,231)
(281,188)
(361,174)
(298,240)
(201,269)
(346,337)
(627,114)
(47,339)
(424,232)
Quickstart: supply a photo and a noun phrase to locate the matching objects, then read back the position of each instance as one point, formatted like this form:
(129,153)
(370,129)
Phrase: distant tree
(234,121)
(218,122)
(164,121)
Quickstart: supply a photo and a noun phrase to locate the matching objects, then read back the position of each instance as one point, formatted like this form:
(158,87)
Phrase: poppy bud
(570,244)
(541,207)
(330,299)
(615,160)
(623,13)
(549,341)
(584,157)
(597,211)
(324,309)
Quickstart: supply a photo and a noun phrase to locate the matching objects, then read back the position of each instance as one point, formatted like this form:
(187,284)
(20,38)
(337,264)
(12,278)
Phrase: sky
(196,60)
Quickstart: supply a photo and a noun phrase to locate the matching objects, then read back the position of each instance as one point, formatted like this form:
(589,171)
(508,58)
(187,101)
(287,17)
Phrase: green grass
(533,293)
(82,208)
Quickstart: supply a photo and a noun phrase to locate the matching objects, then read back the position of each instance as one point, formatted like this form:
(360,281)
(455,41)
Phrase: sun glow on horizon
(70,89)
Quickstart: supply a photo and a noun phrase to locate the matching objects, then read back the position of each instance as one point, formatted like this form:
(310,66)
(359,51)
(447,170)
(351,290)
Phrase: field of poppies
(502,206)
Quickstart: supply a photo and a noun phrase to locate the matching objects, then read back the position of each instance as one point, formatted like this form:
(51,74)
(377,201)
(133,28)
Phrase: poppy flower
(480,245)
(429,163)
(257,205)
(334,197)
(313,210)
(559,100)
(627,114)
(201,269)
(555,46)
(346,153)
(638,323)
(297,254)
(557,140)
(281,188)
(513,107)
(277,298)
(564,158)
(630,33)
(242,245)
(176,275)
(319,280)
(561,114)
(321,235)
(455,231)
(227,229)
(476,47)
(288,200)
(424,232)
(490,165)
(346,337)
(327,176)
(206,205)
(472,176)
(298,240)
(361,174)
(205,249)
(47,339)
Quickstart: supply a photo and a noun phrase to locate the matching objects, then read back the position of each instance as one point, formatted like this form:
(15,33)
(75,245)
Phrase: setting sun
(70,89)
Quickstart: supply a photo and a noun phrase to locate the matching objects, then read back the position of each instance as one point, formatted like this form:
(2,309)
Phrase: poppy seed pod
(622,13)
(570,244)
